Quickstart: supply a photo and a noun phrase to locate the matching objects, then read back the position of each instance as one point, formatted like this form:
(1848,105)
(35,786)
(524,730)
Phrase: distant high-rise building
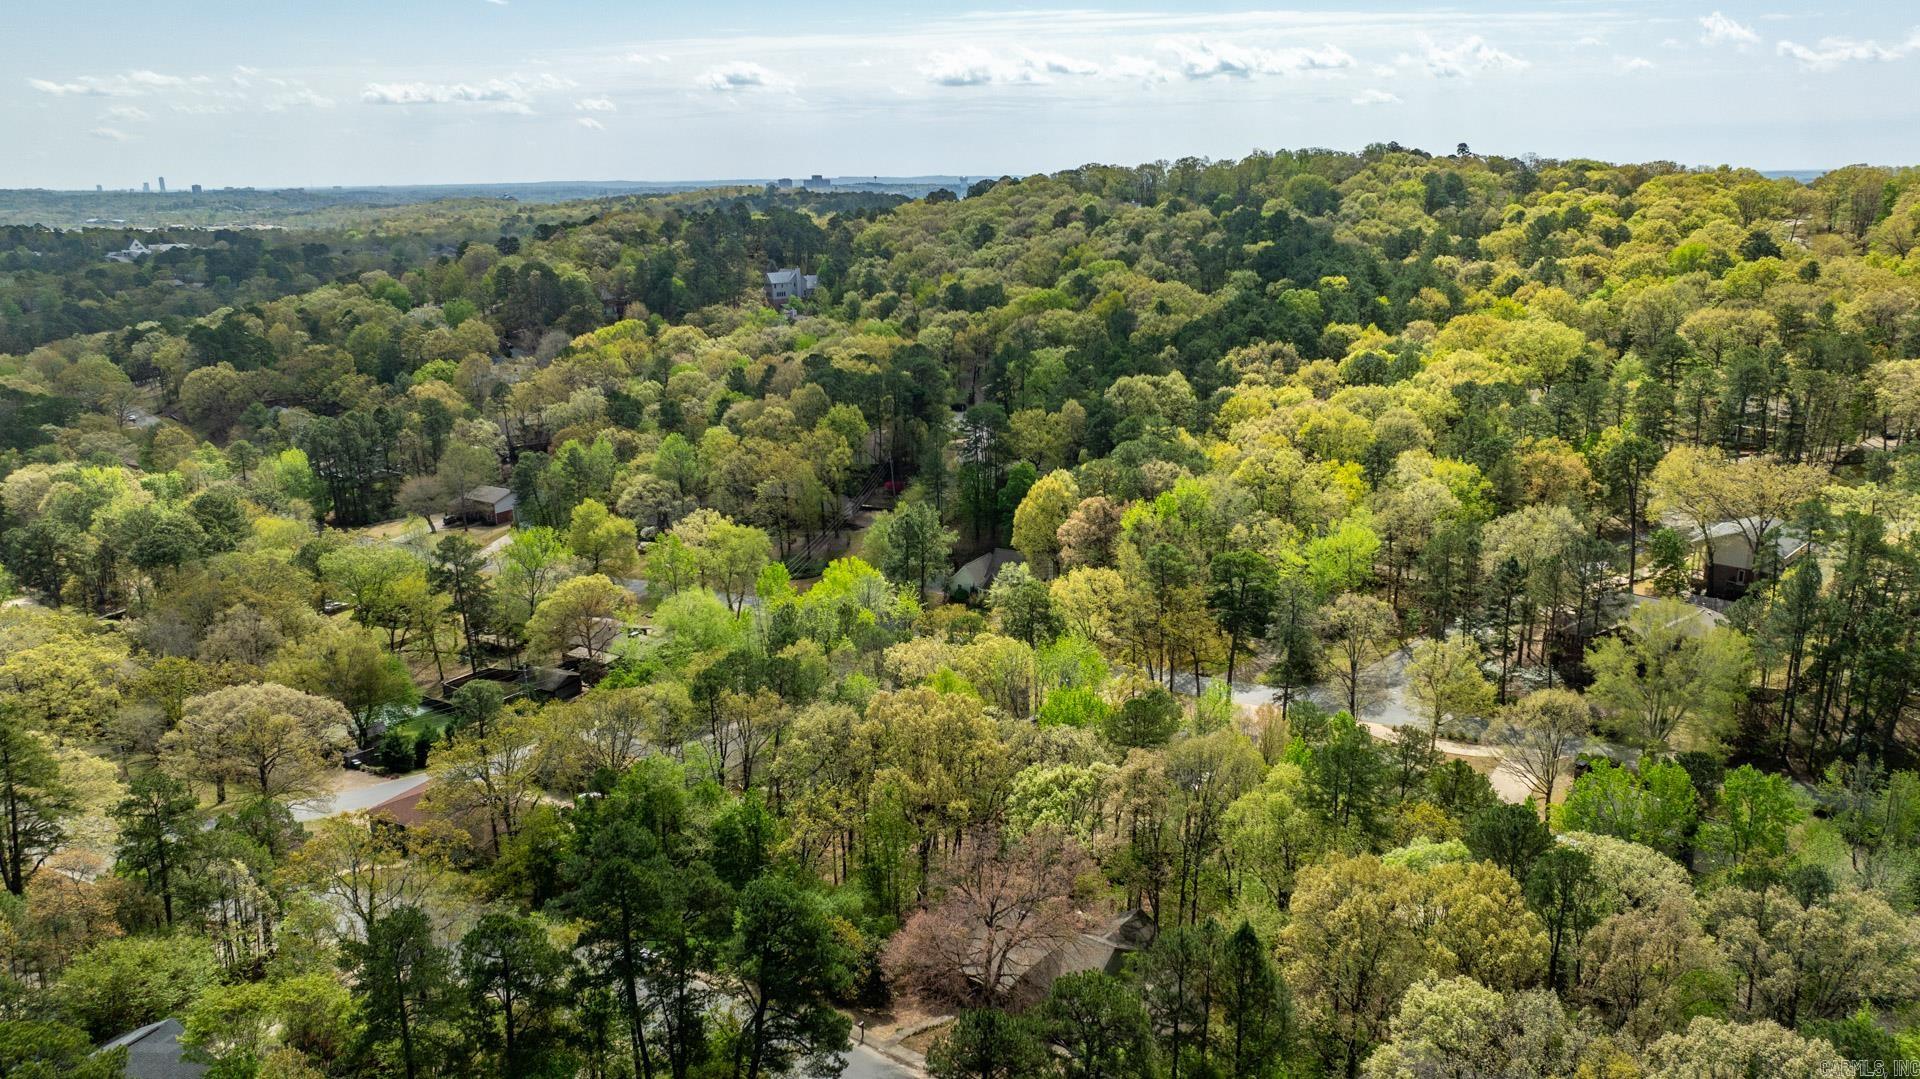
(145,187)
(817,182)
(163,185)
(98,188)
(196,189)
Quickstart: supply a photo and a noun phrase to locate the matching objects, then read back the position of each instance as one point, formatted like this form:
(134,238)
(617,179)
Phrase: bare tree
(1001,909)
(1541,731)
(1358,632)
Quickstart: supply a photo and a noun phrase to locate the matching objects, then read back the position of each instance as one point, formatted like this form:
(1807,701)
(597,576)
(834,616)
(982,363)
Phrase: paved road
(359,798)
(864,1063)
(491,552)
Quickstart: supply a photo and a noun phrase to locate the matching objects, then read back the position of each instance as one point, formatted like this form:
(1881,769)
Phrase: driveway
(864,1063)
(1389,705)
(350,797)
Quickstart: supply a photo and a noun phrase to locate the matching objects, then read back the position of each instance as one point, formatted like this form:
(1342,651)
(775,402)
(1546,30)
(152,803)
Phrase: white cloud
(506,94)
(1721,30)
(594,104)
(739,75)
(61,89)
(977,67)
(966,67)
(1054,63)
(126,84)
(425,93)
(1634,63)
(133,113)
(1831,52)
(1376,97)
(1213,59)
(108,134)
(1467,57)
(590,123)
(143,77)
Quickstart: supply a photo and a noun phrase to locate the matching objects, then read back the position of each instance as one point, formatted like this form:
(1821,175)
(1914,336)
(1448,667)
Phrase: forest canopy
(1322,613)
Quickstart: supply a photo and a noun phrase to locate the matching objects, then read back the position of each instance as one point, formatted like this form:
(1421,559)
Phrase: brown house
(1734,564)
(484,505)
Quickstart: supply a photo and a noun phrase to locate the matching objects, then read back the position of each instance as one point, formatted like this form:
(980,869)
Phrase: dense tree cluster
(1256,453)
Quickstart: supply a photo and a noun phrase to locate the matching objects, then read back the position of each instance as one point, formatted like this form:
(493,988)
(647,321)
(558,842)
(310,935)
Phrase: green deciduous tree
(124,984)
(1655,806)
(532,565)
(910,545)
(1668,675)
(1037,520)
(1024,606)
(38,1049)
(1750,818)
(602,542)
(1243,591)
(585,612)
(1457,1027)
(348,665)
(1444,678)
(270,741)
(1716,1047)
(1357,631)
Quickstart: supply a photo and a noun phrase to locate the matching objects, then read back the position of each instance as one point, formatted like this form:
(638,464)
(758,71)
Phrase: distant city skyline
(115,92)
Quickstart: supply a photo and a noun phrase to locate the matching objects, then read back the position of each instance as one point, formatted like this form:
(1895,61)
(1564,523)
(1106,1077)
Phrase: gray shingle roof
(154,1052)
(492,496)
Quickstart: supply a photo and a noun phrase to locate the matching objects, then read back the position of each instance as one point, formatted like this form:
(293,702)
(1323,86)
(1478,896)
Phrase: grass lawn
(433,724)
(396,529)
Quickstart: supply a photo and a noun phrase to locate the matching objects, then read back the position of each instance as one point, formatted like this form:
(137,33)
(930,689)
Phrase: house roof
(1104,949)
(1694,620)
(792,278)
(154,1052)
(402,809)
(553,681)
(497,497)
(1786,544)
(980,572)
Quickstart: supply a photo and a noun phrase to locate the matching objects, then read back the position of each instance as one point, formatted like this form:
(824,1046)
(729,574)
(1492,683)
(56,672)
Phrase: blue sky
(289,92)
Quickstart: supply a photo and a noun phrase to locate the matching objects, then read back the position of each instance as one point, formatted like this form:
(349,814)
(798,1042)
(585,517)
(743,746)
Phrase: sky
(320,92)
